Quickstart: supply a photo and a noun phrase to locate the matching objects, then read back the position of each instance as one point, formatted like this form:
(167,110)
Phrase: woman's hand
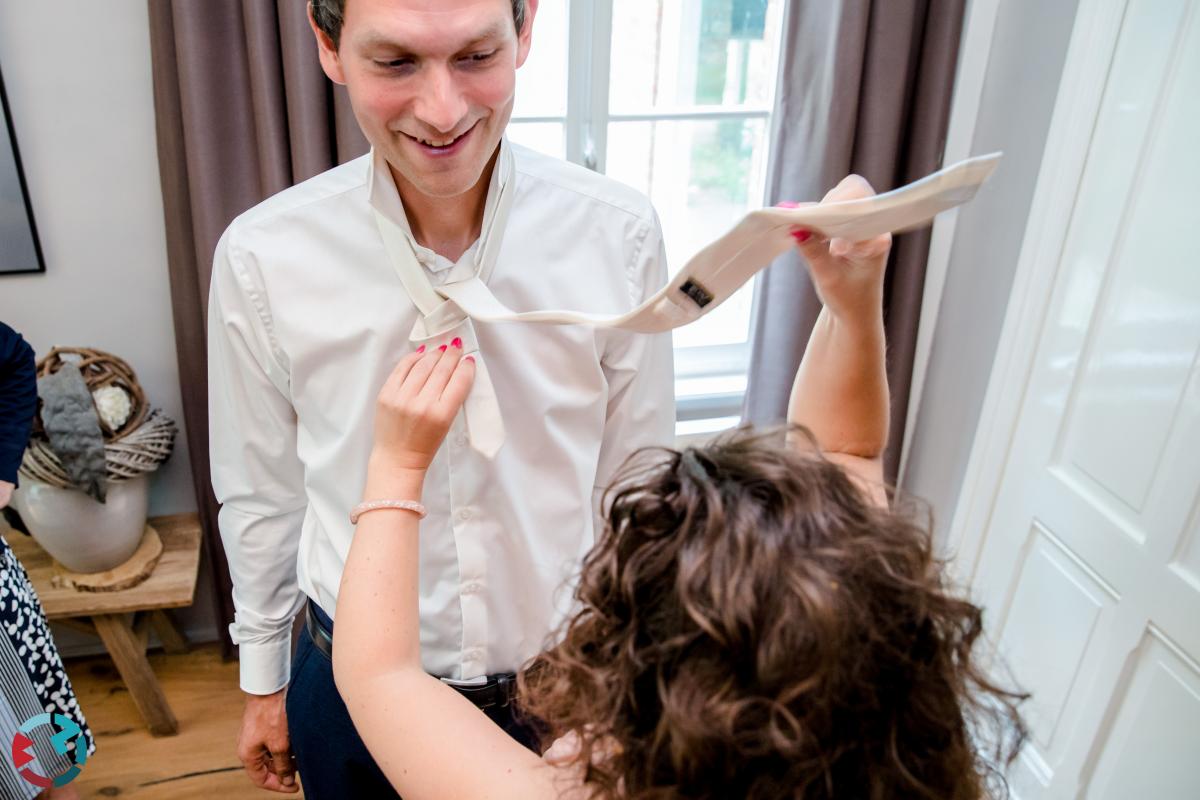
(848,276)
(417,404)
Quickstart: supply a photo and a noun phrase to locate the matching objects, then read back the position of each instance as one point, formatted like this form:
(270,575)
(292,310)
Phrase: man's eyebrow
(379,41)
(497,30)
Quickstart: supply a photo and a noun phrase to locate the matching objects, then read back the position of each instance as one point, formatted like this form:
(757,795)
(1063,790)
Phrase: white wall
(79,87)
(1028,50)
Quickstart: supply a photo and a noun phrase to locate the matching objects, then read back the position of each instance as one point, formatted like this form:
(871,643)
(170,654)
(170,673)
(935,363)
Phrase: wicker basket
(136,453)
(138,446)
(99,369)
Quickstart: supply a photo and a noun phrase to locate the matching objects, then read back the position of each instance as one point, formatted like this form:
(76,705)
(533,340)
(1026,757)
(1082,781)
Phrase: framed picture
(20,251)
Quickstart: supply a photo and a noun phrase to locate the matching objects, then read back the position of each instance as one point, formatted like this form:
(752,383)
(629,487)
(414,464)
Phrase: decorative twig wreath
(136,438)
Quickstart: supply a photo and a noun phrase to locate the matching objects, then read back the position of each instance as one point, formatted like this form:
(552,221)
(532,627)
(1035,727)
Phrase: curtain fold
(864,87)
(242,111)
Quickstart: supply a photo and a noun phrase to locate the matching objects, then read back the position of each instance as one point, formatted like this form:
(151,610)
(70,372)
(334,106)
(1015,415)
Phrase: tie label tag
(699,295)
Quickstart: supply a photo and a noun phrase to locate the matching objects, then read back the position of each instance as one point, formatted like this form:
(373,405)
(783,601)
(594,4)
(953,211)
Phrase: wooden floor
(200,762)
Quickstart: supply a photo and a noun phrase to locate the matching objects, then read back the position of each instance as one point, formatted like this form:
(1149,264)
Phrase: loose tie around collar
(706,281)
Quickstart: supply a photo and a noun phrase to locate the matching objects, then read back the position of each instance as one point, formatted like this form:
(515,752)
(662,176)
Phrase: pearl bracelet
(375,505)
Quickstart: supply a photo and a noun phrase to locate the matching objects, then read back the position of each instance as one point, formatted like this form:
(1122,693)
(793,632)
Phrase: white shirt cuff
(265,666)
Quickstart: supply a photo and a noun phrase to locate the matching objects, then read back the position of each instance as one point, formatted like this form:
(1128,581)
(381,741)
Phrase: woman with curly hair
(754,621)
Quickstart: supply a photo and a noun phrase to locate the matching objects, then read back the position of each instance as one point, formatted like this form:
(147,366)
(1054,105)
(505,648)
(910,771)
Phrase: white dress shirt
(306,320)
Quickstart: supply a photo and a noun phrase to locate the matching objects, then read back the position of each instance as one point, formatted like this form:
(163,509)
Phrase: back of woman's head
(750,625)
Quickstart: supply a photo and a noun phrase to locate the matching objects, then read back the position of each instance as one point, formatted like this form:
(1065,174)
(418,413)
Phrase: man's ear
(326,51)
(525,35)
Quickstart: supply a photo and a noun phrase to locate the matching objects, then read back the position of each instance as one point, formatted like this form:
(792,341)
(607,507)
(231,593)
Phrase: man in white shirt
(308,317)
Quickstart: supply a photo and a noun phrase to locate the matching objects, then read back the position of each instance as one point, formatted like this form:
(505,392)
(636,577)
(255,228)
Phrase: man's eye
(479,58)
(394,63)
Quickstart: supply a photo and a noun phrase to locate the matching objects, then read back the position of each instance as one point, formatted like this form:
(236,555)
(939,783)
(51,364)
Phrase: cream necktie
(707,280)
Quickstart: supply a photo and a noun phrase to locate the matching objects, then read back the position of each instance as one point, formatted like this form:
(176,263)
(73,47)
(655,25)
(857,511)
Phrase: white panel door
(1087,555)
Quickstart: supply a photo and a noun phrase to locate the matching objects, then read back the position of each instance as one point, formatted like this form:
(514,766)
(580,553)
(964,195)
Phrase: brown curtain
(243,111)
(864,87)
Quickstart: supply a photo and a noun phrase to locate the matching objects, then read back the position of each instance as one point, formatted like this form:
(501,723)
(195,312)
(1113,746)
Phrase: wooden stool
(171,584)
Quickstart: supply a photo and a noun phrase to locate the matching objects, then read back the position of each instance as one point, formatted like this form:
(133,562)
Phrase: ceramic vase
(82,534)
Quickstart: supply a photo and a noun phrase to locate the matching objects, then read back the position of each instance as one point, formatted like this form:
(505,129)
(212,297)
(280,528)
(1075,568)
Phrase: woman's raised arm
(841,392)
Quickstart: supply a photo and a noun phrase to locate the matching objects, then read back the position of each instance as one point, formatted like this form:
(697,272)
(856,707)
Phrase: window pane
(545,137)
(693,52)
(542,79)
(702,177)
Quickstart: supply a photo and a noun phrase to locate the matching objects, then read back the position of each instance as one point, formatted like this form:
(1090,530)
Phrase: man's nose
(440,104)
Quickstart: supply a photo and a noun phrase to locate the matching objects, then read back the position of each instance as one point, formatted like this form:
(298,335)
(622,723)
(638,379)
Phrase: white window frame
(710,381)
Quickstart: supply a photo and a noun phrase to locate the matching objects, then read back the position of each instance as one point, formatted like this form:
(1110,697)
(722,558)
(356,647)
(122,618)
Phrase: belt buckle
(497,691)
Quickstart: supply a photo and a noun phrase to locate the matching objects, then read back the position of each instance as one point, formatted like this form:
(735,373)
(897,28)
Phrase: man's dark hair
(328,15)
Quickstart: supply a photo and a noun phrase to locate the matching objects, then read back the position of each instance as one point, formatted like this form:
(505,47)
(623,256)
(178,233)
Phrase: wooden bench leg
(141,628)
(130,658)
(173,640)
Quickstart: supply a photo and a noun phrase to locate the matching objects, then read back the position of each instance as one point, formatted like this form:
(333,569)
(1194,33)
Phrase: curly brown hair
(750,625)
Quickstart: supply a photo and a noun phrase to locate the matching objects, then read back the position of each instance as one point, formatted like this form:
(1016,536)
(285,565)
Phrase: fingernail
(470,358)
(442,349)
(421,349)
(457,342)
(787,204)
(802,235)
(287,780)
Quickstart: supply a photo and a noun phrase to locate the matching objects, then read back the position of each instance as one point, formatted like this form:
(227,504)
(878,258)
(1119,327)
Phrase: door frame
(1076,108)
(975,50)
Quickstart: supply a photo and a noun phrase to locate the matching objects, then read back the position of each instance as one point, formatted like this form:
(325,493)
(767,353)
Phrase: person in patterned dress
(32,678)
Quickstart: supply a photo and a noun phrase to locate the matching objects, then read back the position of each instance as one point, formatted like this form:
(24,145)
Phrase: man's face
(431,83)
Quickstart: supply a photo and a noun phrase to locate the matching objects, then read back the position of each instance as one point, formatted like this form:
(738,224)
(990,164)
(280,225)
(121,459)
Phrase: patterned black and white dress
(32,678)
(32,681)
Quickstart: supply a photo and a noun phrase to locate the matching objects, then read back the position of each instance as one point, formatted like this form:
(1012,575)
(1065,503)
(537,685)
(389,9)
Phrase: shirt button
(464,514)
(472,588)
(461,440)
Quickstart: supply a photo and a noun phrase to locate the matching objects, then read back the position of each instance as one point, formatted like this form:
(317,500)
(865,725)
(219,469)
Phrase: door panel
(1090,566)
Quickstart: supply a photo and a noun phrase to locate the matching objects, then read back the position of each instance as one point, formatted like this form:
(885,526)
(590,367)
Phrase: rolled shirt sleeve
(257,475)
(639,369)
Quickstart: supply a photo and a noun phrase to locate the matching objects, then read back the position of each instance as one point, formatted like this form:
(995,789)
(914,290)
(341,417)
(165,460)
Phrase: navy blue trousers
(331,757)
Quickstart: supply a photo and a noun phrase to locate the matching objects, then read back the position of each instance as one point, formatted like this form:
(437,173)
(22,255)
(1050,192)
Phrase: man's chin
(439,180)
(444,189)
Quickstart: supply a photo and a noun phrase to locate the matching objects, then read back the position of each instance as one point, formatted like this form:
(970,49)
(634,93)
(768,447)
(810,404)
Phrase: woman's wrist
(389,478)
(862,323)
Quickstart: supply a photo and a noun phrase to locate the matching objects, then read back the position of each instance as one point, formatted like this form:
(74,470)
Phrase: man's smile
(442,146)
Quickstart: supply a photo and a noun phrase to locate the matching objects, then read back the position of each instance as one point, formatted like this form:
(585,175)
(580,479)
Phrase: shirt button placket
(470,524)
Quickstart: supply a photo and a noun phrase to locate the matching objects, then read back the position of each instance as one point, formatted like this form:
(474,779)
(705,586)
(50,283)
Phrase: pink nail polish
(442,349)
(421,349)
(802,235)
(470,358)
(787,204)
(457,342)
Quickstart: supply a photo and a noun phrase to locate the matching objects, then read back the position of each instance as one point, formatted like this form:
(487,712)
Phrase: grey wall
(79,88)
(1028,51)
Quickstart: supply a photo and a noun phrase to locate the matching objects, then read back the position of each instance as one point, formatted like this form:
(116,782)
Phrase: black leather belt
(498,691)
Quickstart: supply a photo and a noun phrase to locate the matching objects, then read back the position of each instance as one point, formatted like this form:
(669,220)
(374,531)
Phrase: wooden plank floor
(201,762)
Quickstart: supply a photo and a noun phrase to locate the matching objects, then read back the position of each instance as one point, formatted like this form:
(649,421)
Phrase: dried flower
(113,404)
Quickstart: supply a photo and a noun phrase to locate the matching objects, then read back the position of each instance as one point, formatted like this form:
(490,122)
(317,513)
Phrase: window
(674,98)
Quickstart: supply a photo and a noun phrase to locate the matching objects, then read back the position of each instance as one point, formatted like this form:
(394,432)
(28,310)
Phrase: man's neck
(446,225)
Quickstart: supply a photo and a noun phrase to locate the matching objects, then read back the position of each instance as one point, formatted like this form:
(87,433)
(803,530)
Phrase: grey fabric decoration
(69,417)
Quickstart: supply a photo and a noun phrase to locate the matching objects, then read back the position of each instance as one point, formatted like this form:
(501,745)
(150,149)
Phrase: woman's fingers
(851,187)
(812,245)
(400,372)
(443,368)
(414,382)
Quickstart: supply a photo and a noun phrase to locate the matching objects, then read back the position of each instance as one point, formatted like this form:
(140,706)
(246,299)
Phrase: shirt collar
(385,198)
